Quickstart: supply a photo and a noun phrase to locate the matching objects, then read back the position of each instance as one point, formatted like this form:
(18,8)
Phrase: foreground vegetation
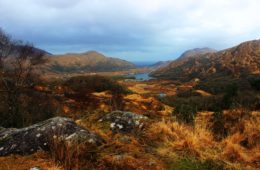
(202,132)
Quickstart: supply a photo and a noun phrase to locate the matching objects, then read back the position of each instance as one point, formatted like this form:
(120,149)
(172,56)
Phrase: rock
(40,136)
(35,168)
(124,122)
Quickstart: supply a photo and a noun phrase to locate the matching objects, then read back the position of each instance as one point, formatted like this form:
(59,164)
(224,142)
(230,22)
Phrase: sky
(134,30)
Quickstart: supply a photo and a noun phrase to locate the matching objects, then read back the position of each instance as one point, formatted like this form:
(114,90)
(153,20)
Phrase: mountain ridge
(236,61)
(90,61)
(196,51)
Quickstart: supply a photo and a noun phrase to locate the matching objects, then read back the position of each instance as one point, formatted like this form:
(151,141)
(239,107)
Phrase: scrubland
(187,129)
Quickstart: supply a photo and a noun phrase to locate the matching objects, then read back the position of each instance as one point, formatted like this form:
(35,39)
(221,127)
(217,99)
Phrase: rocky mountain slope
(160,64)
(196,52)
(91,61)
(187,54)
(238,61)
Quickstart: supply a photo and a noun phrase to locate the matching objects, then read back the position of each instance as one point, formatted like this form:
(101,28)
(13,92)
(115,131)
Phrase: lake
(141,76)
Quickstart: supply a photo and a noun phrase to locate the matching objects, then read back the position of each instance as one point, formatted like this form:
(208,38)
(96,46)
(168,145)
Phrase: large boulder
(124,122)
(41,136)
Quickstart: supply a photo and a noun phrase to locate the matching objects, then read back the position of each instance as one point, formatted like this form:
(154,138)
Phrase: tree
(17,77)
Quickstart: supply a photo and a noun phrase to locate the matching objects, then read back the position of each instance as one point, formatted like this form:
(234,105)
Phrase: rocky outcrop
(124,122)
(41,136)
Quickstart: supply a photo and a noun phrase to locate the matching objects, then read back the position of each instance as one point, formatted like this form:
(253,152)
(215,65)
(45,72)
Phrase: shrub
(185,113)
(32,107)
(187,93)
(229,96)
(255,83)
(218,125)
(95,84)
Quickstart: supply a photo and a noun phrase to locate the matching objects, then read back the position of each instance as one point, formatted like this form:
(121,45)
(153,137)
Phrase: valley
(88,111)
(164,141)
(129,85)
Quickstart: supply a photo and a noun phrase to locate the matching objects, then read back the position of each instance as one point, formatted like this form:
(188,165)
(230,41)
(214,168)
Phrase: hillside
(238,61)
(196,52)
(91,61)
(35,50)
(159,64)
(187,54)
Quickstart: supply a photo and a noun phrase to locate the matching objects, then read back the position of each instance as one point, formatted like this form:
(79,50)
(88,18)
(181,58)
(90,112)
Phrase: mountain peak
(196,52)
(91,61)
(92,52)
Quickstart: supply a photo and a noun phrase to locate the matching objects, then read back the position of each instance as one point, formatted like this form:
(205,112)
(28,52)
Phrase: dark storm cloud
(131,29)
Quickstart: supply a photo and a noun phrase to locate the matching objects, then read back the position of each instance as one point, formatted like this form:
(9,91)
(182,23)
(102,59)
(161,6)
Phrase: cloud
(131,29)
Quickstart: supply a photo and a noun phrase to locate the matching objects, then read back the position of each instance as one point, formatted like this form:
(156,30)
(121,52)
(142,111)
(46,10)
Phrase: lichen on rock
(124,122)
(40,136)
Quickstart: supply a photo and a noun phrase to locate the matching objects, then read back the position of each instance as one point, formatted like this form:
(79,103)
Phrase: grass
(40,159)
(191,163)
(166,142)
(239,150)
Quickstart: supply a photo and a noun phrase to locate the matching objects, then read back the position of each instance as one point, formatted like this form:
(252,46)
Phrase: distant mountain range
(238,61)
(91,61)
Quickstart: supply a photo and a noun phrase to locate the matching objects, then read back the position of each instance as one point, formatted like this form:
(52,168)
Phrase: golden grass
(161,143)
(241,149)
(146,105)
(181,138)
(128,162)
(39,159)
(244,147)
(169,139)
(203,93)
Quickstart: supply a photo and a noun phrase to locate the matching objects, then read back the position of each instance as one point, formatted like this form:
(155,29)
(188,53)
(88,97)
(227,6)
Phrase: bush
(187,93)
(229,122)
(185,113)
(33,108)
(95,84)
(229,96)
(201,103)
(255,83)
(218,126)
(82,88)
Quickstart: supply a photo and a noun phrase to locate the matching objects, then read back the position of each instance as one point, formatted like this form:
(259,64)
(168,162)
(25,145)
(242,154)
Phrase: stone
(40,136)
(35,168)
(124,122)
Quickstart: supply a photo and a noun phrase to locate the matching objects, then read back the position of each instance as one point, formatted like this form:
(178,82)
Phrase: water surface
(141,76)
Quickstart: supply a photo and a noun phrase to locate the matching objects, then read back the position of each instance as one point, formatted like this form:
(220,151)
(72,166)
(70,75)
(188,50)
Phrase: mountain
(159,64)
(38,50)
(196,52)
(91,61)
(241,60)
(34,50)
(187,54)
